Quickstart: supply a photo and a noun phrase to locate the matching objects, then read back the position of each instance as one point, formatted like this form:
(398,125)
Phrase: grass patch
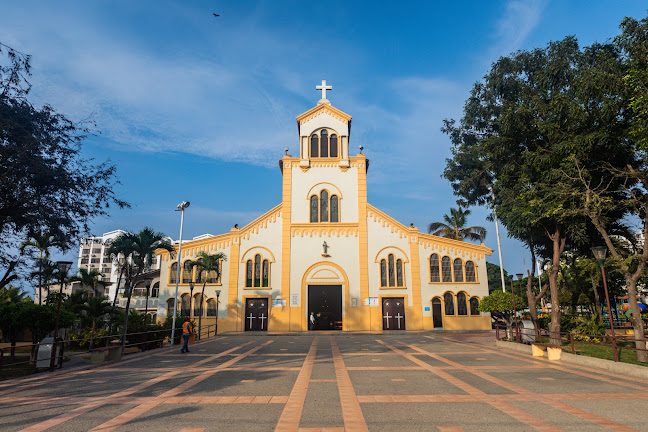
(602,351)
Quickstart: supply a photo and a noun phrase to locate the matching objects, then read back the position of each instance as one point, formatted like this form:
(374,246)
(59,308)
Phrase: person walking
(312,321)
(187,328)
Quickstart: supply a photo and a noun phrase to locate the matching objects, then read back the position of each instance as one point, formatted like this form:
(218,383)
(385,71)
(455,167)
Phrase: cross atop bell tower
(324,87)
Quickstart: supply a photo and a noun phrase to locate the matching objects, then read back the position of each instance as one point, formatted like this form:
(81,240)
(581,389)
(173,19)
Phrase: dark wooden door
(437,318)
(393,313)
(256,314)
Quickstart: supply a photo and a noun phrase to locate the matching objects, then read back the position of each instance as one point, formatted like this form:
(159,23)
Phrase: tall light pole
(499,245)
(181,208)
(63,268)
(599,253)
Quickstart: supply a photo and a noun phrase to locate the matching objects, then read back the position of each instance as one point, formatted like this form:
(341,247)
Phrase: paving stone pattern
(425,381)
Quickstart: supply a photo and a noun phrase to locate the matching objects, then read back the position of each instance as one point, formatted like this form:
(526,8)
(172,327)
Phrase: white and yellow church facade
(325,251)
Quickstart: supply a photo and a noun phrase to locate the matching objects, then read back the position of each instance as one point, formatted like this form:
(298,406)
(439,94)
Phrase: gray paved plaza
(430,381)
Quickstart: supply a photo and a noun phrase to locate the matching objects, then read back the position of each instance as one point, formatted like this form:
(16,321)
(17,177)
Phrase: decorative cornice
(262,221)
(324,230)
(323,109)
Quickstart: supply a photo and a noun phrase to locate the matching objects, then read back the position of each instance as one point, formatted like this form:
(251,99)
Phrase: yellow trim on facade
(323,109)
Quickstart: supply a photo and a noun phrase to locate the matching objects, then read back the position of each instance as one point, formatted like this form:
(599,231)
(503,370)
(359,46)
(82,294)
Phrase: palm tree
(207,265)
(138,250)
(13,295)
(455,228)
(90,278)
(96,308)
(42,242)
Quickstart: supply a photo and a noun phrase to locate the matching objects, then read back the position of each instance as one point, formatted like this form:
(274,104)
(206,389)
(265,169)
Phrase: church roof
(320,109)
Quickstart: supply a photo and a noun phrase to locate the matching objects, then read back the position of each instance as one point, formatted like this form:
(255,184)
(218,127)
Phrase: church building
(325,251)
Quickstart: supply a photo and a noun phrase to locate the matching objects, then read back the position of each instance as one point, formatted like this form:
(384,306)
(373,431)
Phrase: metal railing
(563,339)
(150,339)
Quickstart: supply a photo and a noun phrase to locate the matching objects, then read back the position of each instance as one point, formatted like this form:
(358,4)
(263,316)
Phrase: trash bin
(45,353)
(527,332)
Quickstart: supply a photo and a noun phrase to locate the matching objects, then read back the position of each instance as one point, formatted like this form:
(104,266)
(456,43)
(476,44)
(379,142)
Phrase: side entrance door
(256,314)
(437,318)
(393,313)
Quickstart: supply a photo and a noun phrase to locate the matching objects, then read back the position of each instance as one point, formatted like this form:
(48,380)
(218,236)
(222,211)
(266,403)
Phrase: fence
(615,343)
(145,340)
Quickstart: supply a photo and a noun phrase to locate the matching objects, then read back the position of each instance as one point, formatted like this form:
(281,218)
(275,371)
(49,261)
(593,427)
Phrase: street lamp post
(181,208)
(599,253)
(517,330)
(217,296)
(63,268)
(191,288)
(148,287)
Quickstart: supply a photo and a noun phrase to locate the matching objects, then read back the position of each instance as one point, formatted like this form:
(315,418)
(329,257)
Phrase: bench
(553,351)
(104,354)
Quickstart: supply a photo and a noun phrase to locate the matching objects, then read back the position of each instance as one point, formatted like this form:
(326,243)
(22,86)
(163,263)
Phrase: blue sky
(189,105)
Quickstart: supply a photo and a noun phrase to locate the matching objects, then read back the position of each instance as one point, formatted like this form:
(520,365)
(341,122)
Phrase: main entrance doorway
(256,314)
(325,302)
(437,318)
(393,313)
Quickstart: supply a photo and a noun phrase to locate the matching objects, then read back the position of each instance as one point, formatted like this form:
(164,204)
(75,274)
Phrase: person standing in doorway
(187,328)
(311,320)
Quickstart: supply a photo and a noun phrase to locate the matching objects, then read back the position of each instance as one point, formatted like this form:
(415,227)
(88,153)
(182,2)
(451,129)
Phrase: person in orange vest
(187,328)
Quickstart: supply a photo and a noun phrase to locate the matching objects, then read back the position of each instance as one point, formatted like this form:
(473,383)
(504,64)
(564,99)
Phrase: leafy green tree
(42,243)
(455,227)
(13,295)
(138,250)
(45,184)
(500,302)
(495,278)
(96,308)
(534,113)
(91,278)
(207,266)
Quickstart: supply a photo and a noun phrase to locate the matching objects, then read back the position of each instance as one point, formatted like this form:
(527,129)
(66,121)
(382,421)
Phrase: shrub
(589,327)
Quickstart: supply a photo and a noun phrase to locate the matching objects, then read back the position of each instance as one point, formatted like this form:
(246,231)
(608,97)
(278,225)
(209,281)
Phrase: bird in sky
(216,15)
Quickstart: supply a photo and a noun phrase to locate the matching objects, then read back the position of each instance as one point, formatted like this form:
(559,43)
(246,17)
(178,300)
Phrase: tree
(42,243)
(95,309)
(455,228)
(207,266)
(90,278)
(524,125)
(138,251)
(495,277)
(45,184)
(13,295)
(501,303)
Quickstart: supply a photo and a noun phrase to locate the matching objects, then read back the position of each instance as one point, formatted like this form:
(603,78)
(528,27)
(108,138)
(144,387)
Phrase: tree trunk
(202,301)
(94,325)
(125,328)
(40,279)
(558,241)
(635,320)
(597,300)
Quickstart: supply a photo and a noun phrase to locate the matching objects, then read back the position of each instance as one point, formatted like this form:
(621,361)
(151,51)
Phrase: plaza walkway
(444,382)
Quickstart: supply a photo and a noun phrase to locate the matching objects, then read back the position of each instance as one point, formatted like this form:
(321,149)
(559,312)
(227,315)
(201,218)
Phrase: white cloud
(519,19)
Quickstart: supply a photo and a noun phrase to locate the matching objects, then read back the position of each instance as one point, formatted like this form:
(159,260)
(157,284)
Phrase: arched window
(257,270)
(185,307)
(435,274)
(334,146)
(173,272)
(196,305)
(324,143)
(324,206)
(155,291)
(448,299)
(399,272)
(335,217)
(212,309)
(383,272)
(170,307)
(390,263)
(265,274)
(314,208)
(187,272)
(446,269)
(462,308)
(248,273)
(458,270)
(314,148)
(474,305)
(470,271)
